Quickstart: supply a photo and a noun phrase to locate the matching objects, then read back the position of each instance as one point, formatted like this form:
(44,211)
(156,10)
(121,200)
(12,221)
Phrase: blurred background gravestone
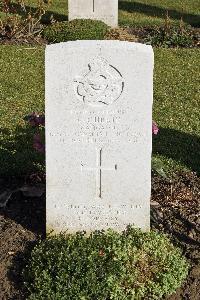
(104,10)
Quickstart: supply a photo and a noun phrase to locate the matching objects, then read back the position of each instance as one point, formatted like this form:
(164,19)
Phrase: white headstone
(104,10)
(98,135)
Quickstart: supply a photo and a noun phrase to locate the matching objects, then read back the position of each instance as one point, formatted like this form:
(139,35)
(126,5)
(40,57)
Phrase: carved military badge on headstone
(102,84)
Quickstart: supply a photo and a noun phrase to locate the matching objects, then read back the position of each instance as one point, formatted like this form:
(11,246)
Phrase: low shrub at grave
(75,30)
(172,37)
(105,265)
(169,35)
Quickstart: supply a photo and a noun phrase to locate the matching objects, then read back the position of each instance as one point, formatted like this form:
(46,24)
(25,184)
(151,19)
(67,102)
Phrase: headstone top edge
(107,43)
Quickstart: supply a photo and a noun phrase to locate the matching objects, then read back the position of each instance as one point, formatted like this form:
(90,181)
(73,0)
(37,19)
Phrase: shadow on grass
(17,155)
(46,18)
(18,161)
(29,212)
(156,11)
(179,146)
(23,218)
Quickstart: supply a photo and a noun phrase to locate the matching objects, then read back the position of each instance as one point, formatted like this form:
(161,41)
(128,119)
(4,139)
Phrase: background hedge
(75,30)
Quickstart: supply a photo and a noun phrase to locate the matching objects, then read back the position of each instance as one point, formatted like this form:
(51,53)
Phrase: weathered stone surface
(98,135)
(104,10)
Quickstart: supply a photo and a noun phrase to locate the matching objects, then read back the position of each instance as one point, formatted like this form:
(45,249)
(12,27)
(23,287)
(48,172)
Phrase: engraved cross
(93,6)
(99,168)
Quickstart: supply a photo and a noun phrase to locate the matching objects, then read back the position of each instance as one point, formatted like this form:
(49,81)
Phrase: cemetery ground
(176,149)
(175,202)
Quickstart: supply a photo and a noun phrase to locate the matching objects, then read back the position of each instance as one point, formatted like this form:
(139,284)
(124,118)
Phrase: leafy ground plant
(172,37)
(105,265)
(169,35)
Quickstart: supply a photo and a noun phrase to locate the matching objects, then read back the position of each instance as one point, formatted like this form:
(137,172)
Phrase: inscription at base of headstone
(104,10)
(98,135)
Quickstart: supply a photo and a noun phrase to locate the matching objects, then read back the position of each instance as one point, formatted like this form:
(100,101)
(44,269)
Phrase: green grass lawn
(153,12)
(21,92)
(134,12)
(176,107)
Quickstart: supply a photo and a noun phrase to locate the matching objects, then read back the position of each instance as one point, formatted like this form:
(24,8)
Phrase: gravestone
(104,10)
(98,135)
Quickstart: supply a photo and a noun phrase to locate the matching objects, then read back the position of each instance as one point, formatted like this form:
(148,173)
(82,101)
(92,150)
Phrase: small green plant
(157,167)
(75,30)
(105,265)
